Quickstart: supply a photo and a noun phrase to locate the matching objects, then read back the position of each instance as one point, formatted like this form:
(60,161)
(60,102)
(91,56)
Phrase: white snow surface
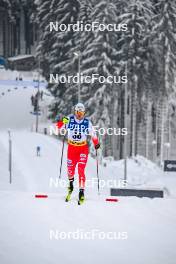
(26,223)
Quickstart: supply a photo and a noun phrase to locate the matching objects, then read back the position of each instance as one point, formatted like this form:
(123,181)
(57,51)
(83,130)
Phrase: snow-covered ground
(146,228)
(15,100)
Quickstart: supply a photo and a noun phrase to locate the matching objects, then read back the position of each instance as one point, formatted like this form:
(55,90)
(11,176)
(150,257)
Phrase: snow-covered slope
(145,228)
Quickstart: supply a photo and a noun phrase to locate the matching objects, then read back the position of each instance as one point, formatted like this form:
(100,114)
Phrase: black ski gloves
(97,146)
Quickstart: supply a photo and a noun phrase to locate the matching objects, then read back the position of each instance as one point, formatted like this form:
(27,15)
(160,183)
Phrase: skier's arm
(93,136)
(63,122)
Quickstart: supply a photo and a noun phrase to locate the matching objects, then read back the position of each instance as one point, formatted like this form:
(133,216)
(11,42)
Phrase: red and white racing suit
(78,150)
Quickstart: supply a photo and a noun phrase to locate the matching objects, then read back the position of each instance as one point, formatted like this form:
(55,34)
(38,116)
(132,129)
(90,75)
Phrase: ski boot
(70,190)
(81,197)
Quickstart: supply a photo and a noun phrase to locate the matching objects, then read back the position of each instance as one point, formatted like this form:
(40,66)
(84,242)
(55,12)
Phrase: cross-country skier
(78,128)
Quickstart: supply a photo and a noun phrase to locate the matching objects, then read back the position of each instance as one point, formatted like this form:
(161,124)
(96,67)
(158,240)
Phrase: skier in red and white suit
(78,128)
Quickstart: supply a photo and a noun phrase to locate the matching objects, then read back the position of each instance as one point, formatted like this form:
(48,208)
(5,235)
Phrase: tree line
(146,53)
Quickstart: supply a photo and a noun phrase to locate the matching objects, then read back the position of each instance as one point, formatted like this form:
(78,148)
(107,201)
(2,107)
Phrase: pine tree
(43,17)
(138,15)
(81,39)
(66,13)
(165,24)
(101,58)
(164,37)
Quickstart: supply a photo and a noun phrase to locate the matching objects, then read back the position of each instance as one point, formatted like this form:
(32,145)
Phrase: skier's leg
(83,157)
(81,172)
(82,179)
(71,164)
(70,190)
(81,196)
(71,181)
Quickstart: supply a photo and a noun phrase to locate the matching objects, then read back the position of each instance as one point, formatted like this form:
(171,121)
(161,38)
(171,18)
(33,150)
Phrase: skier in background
(78,128)
(38,151)
(32,100)
(41,95)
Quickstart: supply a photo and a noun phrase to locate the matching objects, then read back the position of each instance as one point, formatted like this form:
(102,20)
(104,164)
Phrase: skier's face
(79,114)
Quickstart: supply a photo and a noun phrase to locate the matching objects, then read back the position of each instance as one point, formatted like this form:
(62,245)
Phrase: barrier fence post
(10,157)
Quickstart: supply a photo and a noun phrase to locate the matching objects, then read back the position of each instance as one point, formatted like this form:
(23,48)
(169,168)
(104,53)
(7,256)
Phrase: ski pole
(63,143)
(98,172)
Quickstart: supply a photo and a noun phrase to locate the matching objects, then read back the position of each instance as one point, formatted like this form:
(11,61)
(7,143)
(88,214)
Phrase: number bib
(78,131)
